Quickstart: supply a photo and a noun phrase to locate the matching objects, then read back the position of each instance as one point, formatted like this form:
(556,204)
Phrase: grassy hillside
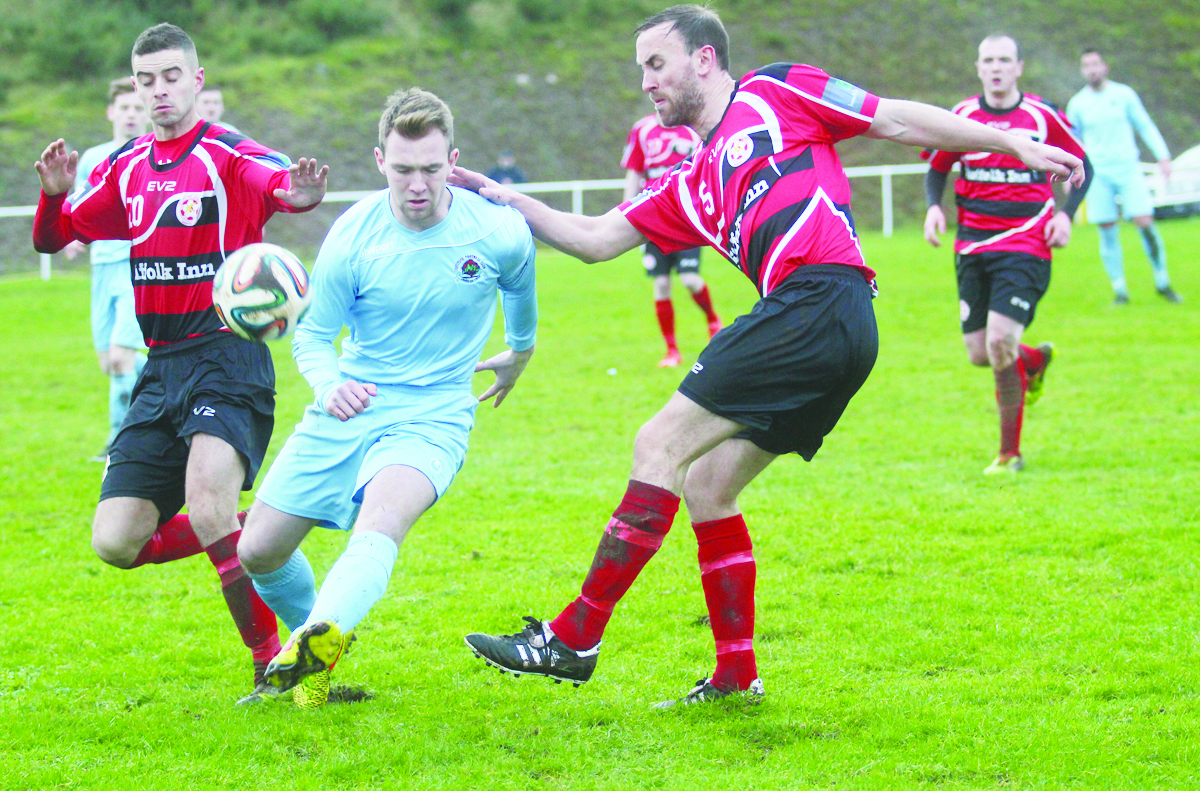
(554,82)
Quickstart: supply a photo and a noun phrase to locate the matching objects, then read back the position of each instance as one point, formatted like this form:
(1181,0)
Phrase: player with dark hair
(651,150)
(1007,225)
(186,195)
(768,192)
(115,332)
(1106,114)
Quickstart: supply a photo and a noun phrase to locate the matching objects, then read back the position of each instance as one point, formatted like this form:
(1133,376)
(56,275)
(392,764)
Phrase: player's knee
(113,549)
(978,356)
(1001,350)
(705,496)
(256,556)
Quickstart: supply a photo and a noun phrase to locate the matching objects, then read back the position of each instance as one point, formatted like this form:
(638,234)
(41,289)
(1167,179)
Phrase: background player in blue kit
(1105,115)
(413,271)
(115,331)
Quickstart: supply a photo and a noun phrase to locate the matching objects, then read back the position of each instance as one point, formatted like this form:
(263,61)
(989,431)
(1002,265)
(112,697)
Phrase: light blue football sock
(290,590)
(120,390)
(1156,251)
(1110,254)
(356,581)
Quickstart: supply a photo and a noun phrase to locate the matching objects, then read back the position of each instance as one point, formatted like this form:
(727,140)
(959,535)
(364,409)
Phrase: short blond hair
(119,86)
(413,113)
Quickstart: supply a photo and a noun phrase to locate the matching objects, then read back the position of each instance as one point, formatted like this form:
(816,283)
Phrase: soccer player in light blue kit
(413,271)
(1106,114)
(115,331)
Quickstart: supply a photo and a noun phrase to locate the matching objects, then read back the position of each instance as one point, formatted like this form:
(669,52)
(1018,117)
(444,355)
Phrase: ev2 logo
(204,411)
(1020,303)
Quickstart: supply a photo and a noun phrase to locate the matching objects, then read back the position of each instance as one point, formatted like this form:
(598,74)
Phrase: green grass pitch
(918,625)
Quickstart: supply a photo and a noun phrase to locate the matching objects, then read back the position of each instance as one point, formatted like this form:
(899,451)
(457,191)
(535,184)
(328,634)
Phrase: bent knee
(257,556)
(978,357)
(115,551)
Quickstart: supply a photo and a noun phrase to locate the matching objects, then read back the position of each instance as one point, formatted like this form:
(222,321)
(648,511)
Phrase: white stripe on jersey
(169,203)
(1050,111)
(817,199)
(258,158)
(219,192)
(770,119)
(809,96)
(1010,232)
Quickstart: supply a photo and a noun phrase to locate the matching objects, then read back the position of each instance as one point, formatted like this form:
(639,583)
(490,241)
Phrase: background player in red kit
(768,192)
(651,150)
(186,195)
(1007,223)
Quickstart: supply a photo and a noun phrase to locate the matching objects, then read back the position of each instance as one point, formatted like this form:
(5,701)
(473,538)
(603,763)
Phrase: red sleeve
(943,161)
(658,214)
(834,107)
(259,171)
(1058,133)
(97,213)
(634,158)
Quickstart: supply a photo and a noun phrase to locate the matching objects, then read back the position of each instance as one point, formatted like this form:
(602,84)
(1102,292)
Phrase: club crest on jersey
(469,268)
(740,149)
(187,211)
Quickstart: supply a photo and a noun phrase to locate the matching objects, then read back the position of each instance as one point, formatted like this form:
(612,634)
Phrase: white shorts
(327,463)
(1125,182)
(113,319)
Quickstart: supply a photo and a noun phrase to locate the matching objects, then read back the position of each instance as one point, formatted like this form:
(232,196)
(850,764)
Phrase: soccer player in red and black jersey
(187,194)
(651,150)
(768,192)
(1007,224)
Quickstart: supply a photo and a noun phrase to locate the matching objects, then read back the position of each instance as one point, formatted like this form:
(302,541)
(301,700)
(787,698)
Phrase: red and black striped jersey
(185,204)
(767,190)
(1002,204)
(652,149)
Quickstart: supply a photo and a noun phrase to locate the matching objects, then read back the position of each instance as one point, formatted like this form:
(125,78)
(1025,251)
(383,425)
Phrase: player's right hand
(935,224)
(350,399)
(56,168)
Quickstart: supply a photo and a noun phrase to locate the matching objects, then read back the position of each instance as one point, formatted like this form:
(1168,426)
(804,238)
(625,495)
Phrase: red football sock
(633,535)
(704,300)
(1010,395)
(666,320)
(727,572)
(1033,358)
(254,619)
(172,540)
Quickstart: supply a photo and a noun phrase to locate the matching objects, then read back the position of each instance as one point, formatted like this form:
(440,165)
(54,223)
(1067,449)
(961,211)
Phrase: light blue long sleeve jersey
(420,306)
(1106,121)
(103,251)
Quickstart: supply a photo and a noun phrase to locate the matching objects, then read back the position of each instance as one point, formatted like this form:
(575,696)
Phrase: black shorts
(659,264)
(219,385)
(1009,283)
(788,368)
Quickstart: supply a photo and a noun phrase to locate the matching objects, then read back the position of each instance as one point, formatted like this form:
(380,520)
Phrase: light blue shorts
(1128,183)
(327,463)
(113,319)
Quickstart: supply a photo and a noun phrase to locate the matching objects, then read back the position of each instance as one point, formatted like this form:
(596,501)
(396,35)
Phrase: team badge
(187,210)
(469,268)
(740,149)
(964,310)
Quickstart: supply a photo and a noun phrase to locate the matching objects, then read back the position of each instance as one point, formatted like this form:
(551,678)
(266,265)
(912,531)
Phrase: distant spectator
(506,170)
(210,106)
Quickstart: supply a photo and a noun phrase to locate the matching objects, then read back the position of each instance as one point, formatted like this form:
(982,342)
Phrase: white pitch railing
(1184,187)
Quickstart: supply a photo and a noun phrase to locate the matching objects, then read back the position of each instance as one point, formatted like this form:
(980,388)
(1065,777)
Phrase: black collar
(987,108)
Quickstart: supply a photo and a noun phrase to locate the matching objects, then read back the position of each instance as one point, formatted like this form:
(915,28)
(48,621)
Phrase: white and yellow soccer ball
(261,292)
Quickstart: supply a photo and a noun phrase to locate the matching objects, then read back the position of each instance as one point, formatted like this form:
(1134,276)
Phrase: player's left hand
(1058,230)
(307,184)
(488,188)
(1056,163)
(508,366)
(1165,166)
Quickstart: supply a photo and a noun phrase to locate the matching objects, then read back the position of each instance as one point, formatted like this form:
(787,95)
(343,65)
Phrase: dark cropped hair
(1092,51)
(163,37)
(698,25)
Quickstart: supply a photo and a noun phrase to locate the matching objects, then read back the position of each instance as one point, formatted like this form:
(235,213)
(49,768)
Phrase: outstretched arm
(306,184)
(590,239)
(56,170)
(917,124)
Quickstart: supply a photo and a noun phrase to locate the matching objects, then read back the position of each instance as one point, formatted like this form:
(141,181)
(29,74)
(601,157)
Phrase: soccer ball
(261,292)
